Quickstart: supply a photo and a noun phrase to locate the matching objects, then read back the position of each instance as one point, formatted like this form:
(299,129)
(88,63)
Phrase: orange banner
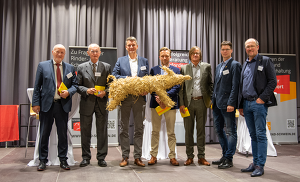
(9,125)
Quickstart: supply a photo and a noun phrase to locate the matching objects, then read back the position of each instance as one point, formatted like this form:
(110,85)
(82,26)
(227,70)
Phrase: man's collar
(57,63)
(253,60)
(133,60)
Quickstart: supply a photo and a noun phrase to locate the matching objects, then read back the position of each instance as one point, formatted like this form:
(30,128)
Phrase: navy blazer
(172,92)
(45,85)
(122,67)
(265,81)
(226,86)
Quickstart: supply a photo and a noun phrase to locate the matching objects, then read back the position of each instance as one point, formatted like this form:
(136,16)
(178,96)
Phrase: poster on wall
(179,58)
(282,119)
(78,55)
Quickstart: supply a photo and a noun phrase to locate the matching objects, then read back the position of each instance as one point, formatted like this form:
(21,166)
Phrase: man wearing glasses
(90,74)
(258,81)
(225,101)
(195,94)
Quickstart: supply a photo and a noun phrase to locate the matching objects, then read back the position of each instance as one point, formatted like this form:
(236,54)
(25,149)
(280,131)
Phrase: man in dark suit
(170,116)
(258,81)
(195,94)
(132,65)
(90,74)
(225,100)
(51,104)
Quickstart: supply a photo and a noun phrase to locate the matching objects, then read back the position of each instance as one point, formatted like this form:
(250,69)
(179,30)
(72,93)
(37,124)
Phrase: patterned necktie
(58,77)
(94,68)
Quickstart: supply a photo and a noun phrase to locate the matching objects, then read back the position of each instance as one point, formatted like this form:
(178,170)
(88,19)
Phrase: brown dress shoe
(139,162)
(203,162)
(152,161)
(124,162)
(189,161)
(174,162)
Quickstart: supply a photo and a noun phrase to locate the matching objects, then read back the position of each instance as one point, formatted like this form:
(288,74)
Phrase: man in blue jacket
(170,116)
(51,104)
(258,81)
(225,101)
(132,65)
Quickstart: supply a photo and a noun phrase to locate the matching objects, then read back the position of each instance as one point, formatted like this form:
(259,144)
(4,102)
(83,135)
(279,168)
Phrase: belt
(197,98)
(56,100)
(251,98)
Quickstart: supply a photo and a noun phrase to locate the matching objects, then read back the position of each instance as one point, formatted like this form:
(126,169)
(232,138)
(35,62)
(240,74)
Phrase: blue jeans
(222,118)
(255,116)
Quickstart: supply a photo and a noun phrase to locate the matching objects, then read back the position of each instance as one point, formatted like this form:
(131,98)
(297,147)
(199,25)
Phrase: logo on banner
(283,84)
(76,124)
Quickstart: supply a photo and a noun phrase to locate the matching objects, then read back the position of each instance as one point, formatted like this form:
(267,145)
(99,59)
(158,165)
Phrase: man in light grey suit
(195,94)
(132,65)
(90,74)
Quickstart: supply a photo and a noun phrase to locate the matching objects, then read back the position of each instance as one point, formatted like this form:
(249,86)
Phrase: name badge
(97,74)
(69,75)
(143,68)
(260,68)
(225,72)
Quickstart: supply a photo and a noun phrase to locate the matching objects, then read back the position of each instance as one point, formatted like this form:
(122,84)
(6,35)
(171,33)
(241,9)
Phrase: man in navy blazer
(170,116)
(132,65)
(225,100)
(257,84)
(51,104)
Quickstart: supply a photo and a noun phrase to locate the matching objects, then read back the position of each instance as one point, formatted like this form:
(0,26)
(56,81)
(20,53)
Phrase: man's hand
(182,109)
(64,94)
(143,94)
(36,109)
(102,94)
(230,108)
(91,91)
(259,101)
(161,104)
(241,112)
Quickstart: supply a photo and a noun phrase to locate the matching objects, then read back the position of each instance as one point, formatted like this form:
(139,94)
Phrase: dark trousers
(46,121)
(101,130)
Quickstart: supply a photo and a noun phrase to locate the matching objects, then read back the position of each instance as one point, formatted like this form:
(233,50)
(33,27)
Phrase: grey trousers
(197,110)
(137,105)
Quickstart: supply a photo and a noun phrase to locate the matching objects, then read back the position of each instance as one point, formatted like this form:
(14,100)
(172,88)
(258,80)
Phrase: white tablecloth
(52,150)
(244,139)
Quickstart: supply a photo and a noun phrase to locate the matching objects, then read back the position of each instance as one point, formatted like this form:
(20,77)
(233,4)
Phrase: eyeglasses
(225,50)
(250,46)
(94,52)
(59,52)
(196,53)
(131,45)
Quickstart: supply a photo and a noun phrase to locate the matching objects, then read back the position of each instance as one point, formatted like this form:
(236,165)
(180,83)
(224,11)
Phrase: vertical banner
(282,119)
(78,55)
(179,58)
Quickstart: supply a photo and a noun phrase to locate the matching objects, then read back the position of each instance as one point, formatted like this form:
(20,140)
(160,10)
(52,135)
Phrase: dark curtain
(30,29)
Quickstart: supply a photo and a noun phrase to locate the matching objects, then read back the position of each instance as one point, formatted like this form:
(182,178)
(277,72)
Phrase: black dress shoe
(251,168)
(102,163)
(225,164)
(84,162)
(64,165)
(258,171)
(218,162)
(41,166)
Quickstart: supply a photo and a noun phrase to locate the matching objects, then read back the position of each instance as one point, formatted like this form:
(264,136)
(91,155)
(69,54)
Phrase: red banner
(9,123)
(283,84)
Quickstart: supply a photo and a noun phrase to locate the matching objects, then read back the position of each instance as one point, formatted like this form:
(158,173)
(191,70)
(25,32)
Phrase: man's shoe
(218,162)
(124,162)
(251,168)
(174,162)
(64,165)
(258,171)
(102,163)
(152,161)
(139,162)
(41,166)
(225,164)
(203,162)
(189,161)
(84,162)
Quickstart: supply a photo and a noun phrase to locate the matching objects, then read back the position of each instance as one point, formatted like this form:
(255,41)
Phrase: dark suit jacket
(86,80)
(206,84)
(122,67)
(265,81)
(226,87)
(172,92)
(45,86)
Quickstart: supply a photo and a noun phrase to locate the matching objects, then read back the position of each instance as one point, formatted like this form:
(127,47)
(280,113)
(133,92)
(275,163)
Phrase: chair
(33,115)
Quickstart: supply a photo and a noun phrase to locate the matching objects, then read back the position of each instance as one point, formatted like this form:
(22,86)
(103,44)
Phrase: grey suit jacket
(86,80)
(206,84)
